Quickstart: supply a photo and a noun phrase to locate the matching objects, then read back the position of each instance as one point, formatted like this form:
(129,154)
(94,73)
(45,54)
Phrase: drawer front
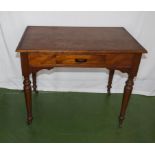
(80,60)
(107,60)
(41,59)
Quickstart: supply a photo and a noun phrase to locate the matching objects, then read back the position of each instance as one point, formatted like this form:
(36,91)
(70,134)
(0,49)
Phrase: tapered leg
(34,82)
(111,74)
(27,92)
(126,96)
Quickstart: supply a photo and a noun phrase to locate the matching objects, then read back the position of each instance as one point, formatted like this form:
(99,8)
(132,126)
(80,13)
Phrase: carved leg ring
(27,92)
(34,82)
(111,74)
(126,96)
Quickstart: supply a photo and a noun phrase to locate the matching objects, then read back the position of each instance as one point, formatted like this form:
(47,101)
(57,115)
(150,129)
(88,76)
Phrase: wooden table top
(105,39)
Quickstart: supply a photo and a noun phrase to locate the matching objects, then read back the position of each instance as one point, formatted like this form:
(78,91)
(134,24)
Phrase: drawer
(41,59)
(80,60)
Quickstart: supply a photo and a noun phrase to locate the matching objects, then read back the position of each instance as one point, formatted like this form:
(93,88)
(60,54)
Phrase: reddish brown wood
(110,47)
(34,82)
(92,39)
(80,60)
(42,58)
(50,59)
(111,74)
(128,87)
(119,59)
(27,86)
(127,92)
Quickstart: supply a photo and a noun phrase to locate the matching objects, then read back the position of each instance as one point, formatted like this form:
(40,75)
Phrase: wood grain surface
(63,39)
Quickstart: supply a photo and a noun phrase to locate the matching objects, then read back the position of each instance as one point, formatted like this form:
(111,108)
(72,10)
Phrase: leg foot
(121,121)
(29,120)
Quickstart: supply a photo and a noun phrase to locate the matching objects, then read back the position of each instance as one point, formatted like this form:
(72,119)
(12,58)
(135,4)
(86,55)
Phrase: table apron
(49,60)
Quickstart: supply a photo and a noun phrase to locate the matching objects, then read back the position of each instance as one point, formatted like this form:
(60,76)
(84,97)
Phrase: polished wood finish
(27,86)
(113,48)
(41,59)
(80,60)
(127,92)
(92,39)
(111,74)
(34,82)
(128,87)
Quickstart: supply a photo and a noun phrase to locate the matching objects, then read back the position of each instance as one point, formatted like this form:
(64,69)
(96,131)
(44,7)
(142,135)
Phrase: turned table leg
(111,74)
(126,96)
(27,92)
(27,86)
(34,82)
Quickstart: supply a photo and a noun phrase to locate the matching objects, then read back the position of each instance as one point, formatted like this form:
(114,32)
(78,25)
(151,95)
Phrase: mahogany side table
(43,47)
